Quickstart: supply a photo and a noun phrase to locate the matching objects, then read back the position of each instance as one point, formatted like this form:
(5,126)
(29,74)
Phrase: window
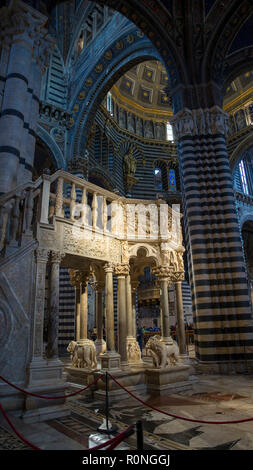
(158,179)
(109,103)
(243,177)
(172,181)
(169,132)
(111,161)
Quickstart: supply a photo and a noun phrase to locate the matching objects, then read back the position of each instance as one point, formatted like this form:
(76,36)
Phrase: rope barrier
(180,417)
(114,441)
(119,438)
(16,431)
(48,397)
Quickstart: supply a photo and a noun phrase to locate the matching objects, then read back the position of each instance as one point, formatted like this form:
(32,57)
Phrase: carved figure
(148,130)
(131,122)
(133,352)
(163,355)
(240,119)
(186,124)
(160,131)
(83,355)
(130,163)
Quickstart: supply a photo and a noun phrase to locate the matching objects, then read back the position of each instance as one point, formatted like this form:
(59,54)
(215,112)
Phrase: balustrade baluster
(59,199)
(84,207)
(105,214)
(72,202)
(94,211)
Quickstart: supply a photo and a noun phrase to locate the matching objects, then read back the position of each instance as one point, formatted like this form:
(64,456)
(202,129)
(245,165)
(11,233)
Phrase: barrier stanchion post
(107,427)
(106,401)
(139,435)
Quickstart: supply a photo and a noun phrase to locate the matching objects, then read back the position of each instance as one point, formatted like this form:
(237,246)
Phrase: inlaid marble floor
(218,398)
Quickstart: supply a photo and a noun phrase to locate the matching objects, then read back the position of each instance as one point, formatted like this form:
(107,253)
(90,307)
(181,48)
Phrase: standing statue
(130,163)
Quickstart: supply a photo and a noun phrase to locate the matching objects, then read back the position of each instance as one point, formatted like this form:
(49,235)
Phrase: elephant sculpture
(162,354)
(83,355)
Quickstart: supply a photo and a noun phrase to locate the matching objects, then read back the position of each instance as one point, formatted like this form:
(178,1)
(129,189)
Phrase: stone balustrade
(90,207)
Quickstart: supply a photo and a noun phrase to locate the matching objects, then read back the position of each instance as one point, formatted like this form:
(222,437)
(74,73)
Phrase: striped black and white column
(23,25)
(221,308)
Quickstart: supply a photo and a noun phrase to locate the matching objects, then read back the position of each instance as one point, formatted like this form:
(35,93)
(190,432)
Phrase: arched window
(160,172)
(243,178)
(172,180)
(243,173)
(169,132)
(158,179)
(109,105)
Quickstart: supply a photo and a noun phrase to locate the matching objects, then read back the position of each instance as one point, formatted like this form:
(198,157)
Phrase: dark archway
(43,159)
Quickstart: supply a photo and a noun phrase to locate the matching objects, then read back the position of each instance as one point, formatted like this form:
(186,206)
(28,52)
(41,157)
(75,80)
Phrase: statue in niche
(250,110)
(232,128)
(124,252)
(130,163)
(139,127)
(160,131)
(131,123)
(122,121)
(240,119)
(148,131)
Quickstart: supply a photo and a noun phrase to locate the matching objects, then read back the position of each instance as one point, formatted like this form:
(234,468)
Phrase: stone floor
(214,398)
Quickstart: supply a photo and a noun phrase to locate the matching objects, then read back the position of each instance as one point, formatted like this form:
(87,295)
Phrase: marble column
(110,360)
(45,373)
(75,279)
(122,271)
(41,59)
(41,256)
(99,343)
(133,349)
(178,278)
(78,311)
(53,326)
(163,274)
(85,276)
(25,27)
(129,307)
(134,286)
(217,273)
(110,338)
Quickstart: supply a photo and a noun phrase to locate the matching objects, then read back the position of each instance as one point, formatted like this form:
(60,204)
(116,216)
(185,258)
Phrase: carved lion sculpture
(163,355)
(83,355)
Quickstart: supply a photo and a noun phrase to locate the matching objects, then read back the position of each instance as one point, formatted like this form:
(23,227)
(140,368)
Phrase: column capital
(163,272)
(109,268)
(42,255)
(85,277)
(177,276)
(200,121)
(75,277)
(57,256)
(98,286)
(19,19)
(122,270)
(43,48)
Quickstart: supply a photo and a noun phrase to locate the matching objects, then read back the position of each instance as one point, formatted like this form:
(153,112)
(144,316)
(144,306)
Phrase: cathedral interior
(126,222)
